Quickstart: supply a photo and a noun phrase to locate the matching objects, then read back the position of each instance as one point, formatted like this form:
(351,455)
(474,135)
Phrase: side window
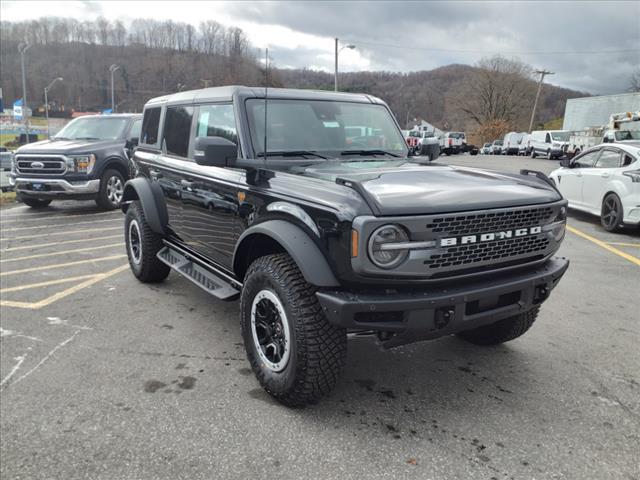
(134,131)
(217,121)
(177,127)
(547,139)
(587,160)
(150,125)
(609,159)
(628,160)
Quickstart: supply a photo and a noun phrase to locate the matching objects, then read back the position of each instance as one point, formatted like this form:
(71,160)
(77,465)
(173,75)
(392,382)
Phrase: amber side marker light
(354,243)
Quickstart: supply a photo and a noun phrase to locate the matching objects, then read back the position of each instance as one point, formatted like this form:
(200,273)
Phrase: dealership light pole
(338,50)
(22,48)
(113,69)
(542,74)
(46,101)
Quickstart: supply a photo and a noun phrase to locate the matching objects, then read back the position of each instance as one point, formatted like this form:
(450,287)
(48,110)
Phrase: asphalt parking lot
(106,378)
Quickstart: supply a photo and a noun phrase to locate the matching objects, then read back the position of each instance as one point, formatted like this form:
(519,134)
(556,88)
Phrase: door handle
(186,184)
(155,174)
(604,175)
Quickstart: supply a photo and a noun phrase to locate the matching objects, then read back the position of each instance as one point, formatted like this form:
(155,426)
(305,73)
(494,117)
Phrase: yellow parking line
(64,252)
(60,265)
(604,245)
(53,244)
(636,245)
(65,293)
(54,225)
(46,284)
(69,232)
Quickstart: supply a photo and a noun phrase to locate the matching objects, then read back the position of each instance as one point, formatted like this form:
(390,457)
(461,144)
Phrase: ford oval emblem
(37,165)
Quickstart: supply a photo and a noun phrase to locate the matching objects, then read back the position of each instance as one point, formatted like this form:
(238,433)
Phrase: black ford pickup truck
(322,233)
(87,160)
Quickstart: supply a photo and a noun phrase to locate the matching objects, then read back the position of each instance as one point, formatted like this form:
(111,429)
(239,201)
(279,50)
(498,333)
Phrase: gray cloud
(565,37)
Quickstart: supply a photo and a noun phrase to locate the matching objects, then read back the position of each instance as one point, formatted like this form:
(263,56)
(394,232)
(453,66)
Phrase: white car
(603,180)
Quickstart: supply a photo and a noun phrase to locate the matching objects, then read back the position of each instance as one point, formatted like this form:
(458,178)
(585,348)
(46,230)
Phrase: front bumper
(54,187)
(435,312)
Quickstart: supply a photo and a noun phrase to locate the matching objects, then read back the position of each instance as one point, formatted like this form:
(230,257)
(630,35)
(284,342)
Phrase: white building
(589,112)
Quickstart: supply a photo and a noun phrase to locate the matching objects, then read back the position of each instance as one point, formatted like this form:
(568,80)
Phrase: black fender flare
(152,200)
(299,245)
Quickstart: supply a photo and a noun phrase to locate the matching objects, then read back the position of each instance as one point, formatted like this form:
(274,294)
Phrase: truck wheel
(533,153)
(295,353)
(611,213)
(503,330)
(143,244)
(35,203)
(111,190)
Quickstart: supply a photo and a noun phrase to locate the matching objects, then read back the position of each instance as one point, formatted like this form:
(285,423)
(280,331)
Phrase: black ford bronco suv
(87,160)
(307,206)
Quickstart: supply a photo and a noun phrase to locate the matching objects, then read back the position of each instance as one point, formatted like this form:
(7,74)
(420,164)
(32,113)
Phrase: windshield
(455,135)
(413,133)
(487,144)
(332,129)
(623,135)
(560,136)
(498,142)
(93,128)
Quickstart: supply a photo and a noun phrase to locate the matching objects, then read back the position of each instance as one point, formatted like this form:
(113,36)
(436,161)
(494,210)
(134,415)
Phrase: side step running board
(197,273)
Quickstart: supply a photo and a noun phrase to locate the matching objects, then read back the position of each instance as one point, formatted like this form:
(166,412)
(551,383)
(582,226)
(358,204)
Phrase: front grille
(490,221)
(496,251)
(50,165)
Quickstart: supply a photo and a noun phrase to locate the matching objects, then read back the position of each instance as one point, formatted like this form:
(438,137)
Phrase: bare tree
(634,81)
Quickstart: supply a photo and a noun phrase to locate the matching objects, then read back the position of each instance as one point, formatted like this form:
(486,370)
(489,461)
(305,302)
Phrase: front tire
(35,203)
(533,154)
(295,353)
(611,213)
(111,190)
(143,244)
(503,330)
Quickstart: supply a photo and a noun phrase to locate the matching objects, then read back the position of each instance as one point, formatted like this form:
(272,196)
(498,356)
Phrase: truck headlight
(387,246)
(82,163)
(558,225)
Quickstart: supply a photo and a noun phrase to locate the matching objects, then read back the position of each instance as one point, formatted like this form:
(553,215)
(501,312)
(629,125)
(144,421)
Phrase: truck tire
(503,330)
(295,353)
(111,190)
(142,245)
(533,153)
(35,203)
(611,213)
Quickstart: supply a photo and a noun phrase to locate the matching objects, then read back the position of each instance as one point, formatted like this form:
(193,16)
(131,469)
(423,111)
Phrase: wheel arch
(278,236)
(115,163)
(152,200)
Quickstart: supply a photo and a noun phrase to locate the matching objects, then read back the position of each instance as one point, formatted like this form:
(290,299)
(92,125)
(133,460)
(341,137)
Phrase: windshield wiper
(291,153)
(367,152)
(86,138)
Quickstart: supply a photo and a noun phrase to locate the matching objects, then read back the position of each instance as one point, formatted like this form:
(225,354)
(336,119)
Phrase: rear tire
(503,330)
(611,213)
(533,154)
(295,353)
(111,190)
(35,203)
(143,244)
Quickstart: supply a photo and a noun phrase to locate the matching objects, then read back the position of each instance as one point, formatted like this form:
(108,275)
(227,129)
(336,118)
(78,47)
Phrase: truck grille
(491,221)
(45,165)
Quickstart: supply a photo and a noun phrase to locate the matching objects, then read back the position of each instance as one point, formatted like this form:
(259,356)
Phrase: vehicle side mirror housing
(132,142)
(565,162)
(214,151)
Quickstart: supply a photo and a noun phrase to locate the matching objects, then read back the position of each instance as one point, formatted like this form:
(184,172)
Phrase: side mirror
(214,151)
(565,162)
(132,142)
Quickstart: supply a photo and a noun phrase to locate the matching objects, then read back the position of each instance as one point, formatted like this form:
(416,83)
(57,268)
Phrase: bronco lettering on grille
(489,237)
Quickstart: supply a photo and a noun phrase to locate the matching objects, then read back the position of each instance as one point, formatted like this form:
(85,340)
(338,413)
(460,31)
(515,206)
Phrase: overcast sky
(592,46)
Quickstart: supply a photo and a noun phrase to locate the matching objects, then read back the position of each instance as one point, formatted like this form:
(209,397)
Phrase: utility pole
(338,50)
(542,74)
(113,69)
(46,102)
(22,48)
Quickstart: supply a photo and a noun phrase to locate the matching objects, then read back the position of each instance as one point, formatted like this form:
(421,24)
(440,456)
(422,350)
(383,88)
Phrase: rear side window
(217,121)
(608,159)
(177,127)
(150,125)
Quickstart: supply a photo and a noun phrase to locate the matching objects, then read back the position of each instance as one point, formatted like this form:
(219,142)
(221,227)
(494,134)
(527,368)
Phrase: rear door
(210,194)
(596,179)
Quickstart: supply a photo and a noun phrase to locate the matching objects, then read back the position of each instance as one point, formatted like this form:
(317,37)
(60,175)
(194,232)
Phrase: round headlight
(382,252)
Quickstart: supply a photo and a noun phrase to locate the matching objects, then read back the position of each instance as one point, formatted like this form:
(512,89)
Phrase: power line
(541,52)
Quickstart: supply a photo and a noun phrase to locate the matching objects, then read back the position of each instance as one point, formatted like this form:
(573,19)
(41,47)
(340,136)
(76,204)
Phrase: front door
(570,179)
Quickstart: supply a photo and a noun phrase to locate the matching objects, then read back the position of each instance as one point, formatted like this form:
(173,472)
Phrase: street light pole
(22,48)
(113,69)
(337,51)
(46,102)
(542,73)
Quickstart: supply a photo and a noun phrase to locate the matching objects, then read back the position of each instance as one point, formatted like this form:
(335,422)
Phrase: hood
(426,189)
(67,146)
